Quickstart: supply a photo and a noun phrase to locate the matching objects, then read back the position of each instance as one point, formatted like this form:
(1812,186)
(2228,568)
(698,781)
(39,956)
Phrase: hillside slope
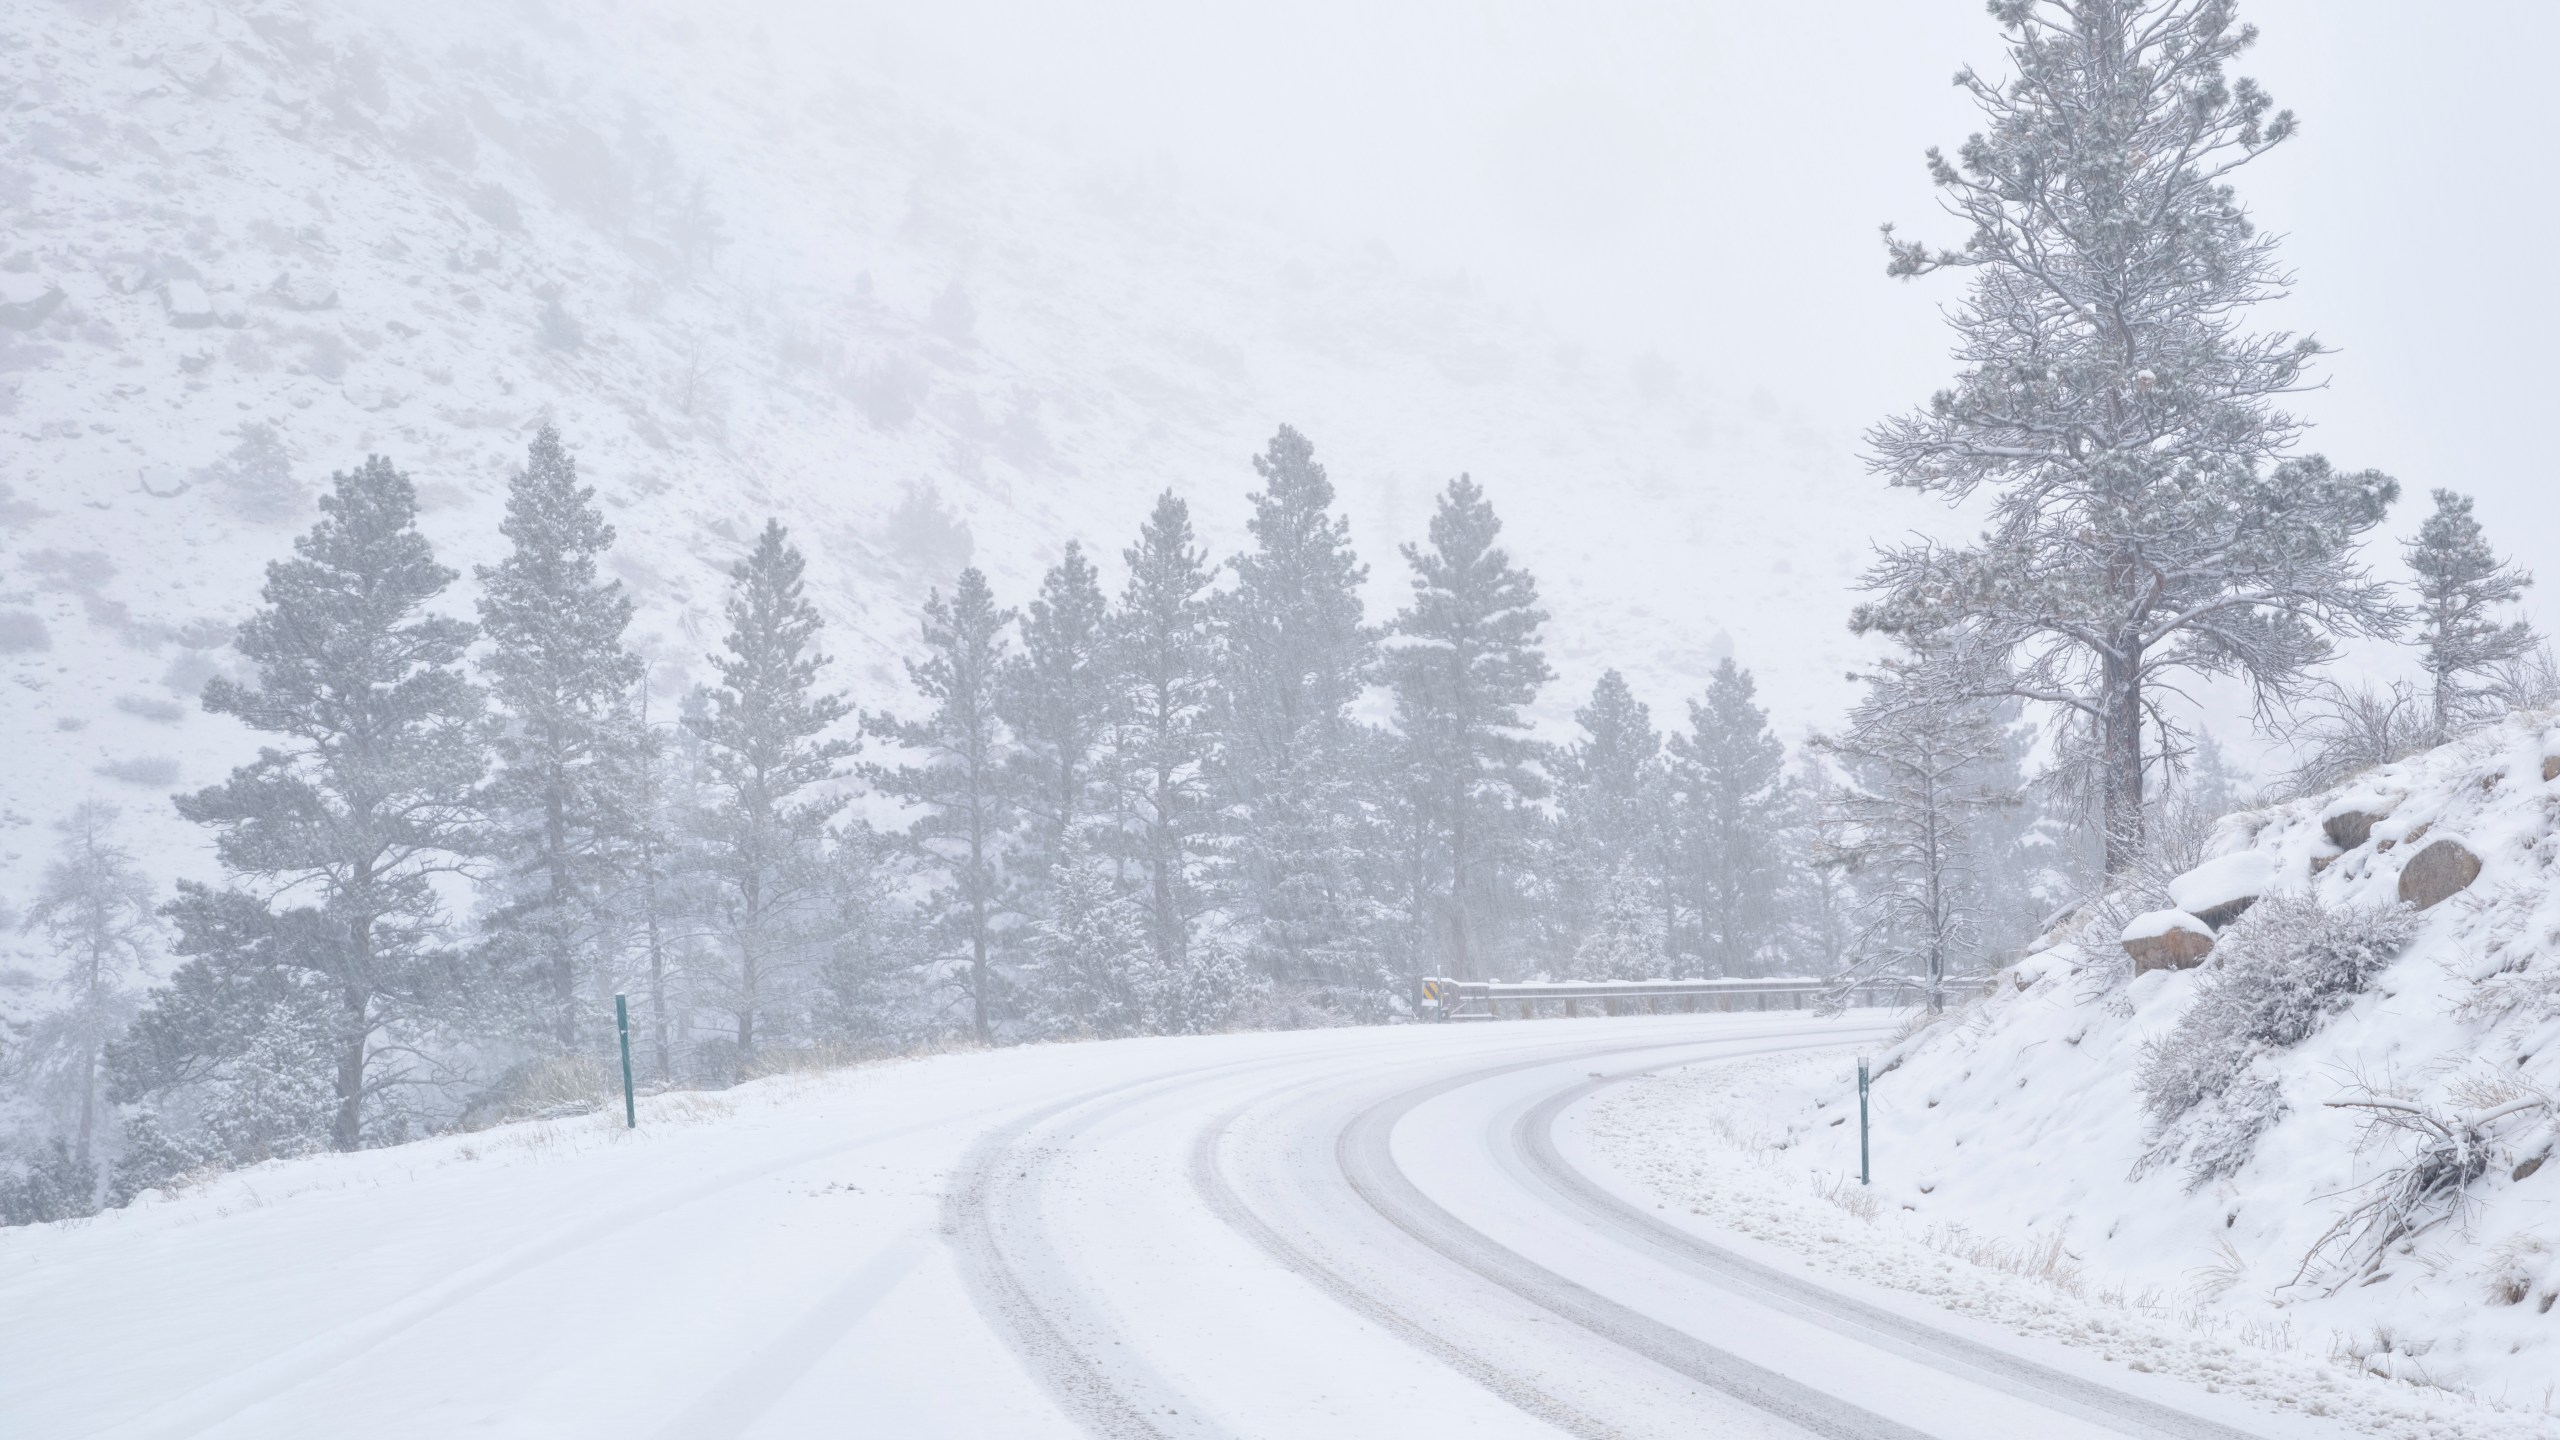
(2180,1134)
(248,243)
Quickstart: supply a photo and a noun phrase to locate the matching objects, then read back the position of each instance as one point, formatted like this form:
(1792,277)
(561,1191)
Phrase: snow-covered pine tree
(372,790)
(658,799)
(1728,815)
(2460,582)
(771,767)
(1088,946)
(1626,938)
(2145,512)
(1163,660)
(1610,793)
(1923,754)
(1055,696)
(563,681)
(866,991)
(968,827)
(1294,654)
(1462,660)
(95,913)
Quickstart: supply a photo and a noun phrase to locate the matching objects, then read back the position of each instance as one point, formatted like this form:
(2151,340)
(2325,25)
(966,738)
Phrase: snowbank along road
(1335,1233)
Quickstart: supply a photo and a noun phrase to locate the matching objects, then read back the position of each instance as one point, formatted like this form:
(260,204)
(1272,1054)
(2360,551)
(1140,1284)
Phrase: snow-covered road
(1394,1232)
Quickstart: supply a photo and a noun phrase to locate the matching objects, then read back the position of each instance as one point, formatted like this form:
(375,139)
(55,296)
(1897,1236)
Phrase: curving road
(1338,1233)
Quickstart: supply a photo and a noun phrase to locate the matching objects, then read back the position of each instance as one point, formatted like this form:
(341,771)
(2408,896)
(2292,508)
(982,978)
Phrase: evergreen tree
(1610,803)
(1162,663)
(865,992)
(1729,811)
(1294,655)
(2146,515)
(771,768)
(1055,697)
(563,681)
(371,790)
(1922,751)
(2460,581)
(95,913)
(1626,939)
(967,827)
(1089,947)
(57,1185)
(1462,660)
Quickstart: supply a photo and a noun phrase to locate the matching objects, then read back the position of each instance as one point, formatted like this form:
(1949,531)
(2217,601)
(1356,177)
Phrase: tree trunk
(88,1092)
(564,964)
(346,1129)
(2121,760)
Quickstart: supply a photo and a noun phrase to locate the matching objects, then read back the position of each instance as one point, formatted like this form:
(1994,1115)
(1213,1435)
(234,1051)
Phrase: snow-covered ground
(2020,1177)
(1401,1231)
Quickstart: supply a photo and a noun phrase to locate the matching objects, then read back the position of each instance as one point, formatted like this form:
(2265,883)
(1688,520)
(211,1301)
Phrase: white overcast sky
(1706,179)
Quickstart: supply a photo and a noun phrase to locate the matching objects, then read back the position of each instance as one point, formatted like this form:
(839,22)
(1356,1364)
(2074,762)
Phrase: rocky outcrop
(2166,940)
(2221,889)
(2438,873)
(2348,829)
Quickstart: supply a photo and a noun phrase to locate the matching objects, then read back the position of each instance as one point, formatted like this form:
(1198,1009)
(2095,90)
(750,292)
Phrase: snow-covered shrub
(54,1184)
(2278,973)
(153,1158)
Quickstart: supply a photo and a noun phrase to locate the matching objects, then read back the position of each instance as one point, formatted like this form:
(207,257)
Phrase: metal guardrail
(1440,999)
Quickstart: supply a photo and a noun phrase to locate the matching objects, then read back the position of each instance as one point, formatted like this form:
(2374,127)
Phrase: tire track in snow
(1013,1276)
(1532,1137)
(1364,1154)
(730,1407)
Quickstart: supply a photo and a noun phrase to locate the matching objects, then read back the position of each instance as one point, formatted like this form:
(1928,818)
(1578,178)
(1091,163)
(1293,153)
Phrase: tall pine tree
(1462,660)
(2460,582)
(371,789)
(564,682)
(2145,512)
(1055,696)
(1294,655)
(1729,811)
(95,913)
(772,768)
(1610,798)
(1162,664)
(1924,756)
(962,784)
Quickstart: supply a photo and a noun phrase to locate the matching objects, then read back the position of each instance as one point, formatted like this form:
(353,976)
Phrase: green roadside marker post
(631,1107)
(1862,1115)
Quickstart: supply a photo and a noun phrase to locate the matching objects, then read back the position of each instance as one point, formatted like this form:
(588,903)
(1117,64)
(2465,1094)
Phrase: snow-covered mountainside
(245,244)
(2338,1121)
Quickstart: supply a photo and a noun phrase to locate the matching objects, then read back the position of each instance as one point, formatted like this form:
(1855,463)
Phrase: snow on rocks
(186,303)
(25,300)
(2027,1106)
(2437,873)
(2166,940)
(2219,890)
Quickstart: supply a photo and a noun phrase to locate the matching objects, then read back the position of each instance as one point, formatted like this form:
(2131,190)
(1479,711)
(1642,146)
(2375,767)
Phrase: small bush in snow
(2277,975)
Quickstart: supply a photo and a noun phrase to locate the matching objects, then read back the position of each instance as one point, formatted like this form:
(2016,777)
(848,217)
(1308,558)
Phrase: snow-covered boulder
(26,299)
(2350,822)
(304,290)
(2219,890)
(188,307)
(2438,873)
(2166,940)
